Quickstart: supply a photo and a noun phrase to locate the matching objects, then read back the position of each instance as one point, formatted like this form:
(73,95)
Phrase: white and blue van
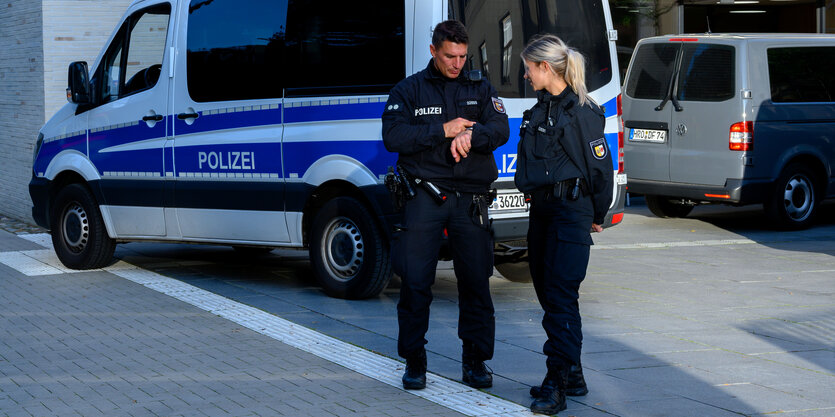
(256,124)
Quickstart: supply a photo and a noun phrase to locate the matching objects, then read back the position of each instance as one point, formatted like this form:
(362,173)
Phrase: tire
(348,252)
(78,233)
(794,200)
(518,271)
(665,207)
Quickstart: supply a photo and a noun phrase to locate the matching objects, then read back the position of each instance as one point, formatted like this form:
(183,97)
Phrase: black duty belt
(570,189)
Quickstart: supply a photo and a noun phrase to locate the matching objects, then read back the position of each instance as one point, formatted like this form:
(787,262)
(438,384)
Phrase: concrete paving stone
(820,361)
(663,408)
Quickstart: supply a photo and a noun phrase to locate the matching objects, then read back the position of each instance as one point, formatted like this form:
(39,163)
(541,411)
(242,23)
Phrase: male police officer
(445,125)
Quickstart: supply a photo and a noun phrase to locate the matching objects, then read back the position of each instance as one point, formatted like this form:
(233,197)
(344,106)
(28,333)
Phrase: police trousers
(415,255)
(558,250)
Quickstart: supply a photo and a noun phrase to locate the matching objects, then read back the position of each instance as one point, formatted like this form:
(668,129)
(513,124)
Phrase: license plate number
(648,135)
(509,201)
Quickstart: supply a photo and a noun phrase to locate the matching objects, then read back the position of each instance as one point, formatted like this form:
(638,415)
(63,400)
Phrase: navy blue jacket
(413,122)
(579,129)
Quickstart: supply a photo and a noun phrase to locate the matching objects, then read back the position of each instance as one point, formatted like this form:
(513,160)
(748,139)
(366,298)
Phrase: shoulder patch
(394,107)
(599,149)
(498,105)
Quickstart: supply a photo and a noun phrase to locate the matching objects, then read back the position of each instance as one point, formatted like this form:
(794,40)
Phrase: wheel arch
(328,191)
(816,165)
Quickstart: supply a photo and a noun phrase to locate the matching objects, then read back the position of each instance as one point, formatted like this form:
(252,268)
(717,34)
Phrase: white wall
(38,40)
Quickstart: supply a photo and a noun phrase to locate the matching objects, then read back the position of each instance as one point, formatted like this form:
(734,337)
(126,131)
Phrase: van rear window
(802,74)
(652,68)
(707,73)
(255,49)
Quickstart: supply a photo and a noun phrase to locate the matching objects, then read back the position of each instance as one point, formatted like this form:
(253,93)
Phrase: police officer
(565,165)
(445,124)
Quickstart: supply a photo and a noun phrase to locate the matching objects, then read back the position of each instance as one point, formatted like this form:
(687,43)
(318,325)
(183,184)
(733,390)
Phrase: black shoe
(550,401)
(415,375)
(576,383)
(475,374)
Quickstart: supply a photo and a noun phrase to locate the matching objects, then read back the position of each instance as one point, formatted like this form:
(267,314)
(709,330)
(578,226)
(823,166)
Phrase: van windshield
(500,29)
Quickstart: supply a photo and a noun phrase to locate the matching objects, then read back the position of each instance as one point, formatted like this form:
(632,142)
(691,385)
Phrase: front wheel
(666,207)
(350,255)
(78,232)
(793,202)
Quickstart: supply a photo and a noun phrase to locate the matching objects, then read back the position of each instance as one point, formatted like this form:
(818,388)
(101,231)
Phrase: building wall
(21,101)
(73,30)
(38,40)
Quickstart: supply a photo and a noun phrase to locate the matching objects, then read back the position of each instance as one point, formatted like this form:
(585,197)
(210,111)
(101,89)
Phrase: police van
(256,124)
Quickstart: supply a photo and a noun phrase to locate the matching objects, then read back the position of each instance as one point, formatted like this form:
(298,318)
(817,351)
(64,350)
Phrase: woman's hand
(596,228)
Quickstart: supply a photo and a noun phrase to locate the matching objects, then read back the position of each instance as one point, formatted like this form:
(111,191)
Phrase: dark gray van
(732,118)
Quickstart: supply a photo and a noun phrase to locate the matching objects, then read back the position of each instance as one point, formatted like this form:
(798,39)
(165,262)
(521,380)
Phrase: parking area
(714,314)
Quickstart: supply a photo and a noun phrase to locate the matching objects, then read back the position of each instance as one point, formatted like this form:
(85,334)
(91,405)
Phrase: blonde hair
(564,60)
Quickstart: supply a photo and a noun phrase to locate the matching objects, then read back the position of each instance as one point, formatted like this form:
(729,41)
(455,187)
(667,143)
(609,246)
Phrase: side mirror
(78,89)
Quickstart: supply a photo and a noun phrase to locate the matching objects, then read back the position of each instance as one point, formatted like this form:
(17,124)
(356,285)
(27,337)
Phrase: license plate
(509,201)
(648,135)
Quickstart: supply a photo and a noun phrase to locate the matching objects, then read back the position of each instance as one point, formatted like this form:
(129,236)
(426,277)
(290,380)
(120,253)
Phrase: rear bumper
(735,191)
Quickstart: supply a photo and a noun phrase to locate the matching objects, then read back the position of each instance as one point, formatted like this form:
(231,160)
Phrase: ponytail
(563,60)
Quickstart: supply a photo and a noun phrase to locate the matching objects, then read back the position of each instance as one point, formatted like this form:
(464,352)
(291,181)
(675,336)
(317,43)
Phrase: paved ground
(706,316)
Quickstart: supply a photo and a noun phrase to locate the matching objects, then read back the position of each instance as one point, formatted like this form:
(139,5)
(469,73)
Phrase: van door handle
(183,116)
(154,118)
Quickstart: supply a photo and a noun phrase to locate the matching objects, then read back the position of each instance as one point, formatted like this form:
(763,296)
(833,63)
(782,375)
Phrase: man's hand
(455,126)
(460,146)
(596,228)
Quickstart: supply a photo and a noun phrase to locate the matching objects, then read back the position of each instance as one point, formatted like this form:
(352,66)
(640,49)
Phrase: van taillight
(741,137)
(620,136)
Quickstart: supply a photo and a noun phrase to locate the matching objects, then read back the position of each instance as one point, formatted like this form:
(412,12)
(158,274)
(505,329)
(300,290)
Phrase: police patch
(498,106)
(599,148)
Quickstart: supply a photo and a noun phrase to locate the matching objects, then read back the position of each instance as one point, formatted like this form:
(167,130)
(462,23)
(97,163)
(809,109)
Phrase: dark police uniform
(413,122)
(565,165)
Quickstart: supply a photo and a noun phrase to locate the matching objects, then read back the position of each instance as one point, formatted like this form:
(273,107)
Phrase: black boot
(576,384)
(415,376)
(474,372)
(551,398)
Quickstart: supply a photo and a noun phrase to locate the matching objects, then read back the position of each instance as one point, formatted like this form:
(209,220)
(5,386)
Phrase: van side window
(345,47)
(143,37)
(257,49)
(707,73)
(236,49)
(651,71)
(802,74)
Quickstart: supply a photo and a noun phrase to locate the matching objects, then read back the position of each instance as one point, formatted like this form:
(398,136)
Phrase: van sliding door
(227,116)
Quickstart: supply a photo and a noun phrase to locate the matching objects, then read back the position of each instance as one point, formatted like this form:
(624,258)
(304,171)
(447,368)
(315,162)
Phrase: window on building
(794,80)
(143,37)
(507,43)
(254,49)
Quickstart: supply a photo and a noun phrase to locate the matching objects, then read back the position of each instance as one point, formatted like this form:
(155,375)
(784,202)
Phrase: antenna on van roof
(708,24)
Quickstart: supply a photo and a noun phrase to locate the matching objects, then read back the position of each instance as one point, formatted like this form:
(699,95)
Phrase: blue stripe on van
(299,156)
(208,122)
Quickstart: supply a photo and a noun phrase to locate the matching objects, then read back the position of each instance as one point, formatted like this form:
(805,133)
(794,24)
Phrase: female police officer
(565,166)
